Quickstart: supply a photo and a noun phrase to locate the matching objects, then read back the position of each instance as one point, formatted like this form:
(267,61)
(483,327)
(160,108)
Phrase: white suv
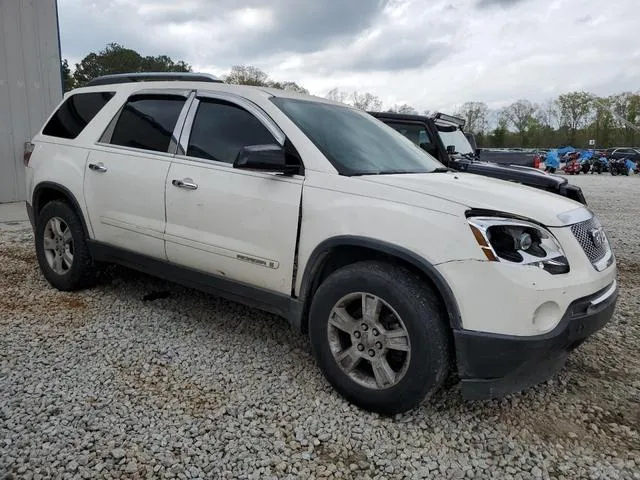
(400,271)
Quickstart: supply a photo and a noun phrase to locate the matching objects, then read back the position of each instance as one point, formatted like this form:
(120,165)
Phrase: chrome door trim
(177,130)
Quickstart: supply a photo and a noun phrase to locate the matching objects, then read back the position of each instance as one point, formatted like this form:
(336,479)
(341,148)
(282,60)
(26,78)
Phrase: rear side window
(221,129)
(75,113)
(147,122)
(413,131)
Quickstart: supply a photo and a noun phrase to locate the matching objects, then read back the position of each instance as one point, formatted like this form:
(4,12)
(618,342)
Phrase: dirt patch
(25,294)
(164,386)
(629,273)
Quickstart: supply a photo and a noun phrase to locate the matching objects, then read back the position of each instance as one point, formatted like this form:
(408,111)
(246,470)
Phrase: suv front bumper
(492,365)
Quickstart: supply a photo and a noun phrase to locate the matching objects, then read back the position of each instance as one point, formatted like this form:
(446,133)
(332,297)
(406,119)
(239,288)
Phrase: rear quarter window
(75,114)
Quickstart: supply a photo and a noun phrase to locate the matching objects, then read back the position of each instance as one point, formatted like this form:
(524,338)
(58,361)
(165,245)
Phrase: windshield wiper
(441,170)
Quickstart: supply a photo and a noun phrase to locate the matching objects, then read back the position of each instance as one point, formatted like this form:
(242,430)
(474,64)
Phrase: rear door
(126,172)
(237,224)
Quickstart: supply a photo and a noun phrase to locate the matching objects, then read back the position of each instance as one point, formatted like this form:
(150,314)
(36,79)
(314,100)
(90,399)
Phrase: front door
(236,224)
(125,175)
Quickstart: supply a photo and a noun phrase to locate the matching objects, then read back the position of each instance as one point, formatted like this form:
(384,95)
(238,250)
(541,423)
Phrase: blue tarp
(563,150)
(630,164)
(552,160)
(586,156)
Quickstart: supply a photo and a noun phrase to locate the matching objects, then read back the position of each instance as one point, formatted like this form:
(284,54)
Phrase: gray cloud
(502,3)
(432,54)
(295,26)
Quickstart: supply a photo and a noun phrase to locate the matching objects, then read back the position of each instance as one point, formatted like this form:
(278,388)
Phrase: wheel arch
(337,252)
(46,192)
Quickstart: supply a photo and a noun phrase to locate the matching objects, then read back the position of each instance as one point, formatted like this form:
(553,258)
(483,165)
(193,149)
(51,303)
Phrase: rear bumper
(492,365)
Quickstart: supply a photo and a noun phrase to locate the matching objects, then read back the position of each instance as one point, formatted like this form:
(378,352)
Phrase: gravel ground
(108,383)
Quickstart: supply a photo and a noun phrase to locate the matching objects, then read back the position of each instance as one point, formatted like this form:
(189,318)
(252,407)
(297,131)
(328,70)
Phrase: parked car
(620,153)
(443,137)
(400,271)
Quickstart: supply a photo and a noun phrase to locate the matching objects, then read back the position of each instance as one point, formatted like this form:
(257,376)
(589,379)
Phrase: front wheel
(380,336)
(61,247)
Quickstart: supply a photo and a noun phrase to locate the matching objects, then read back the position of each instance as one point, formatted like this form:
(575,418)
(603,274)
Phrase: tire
(426,364)
(65,275)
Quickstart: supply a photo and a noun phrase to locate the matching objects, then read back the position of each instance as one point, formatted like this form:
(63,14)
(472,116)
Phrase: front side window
(354,142)
(147,122)
(75,114)
(221,129)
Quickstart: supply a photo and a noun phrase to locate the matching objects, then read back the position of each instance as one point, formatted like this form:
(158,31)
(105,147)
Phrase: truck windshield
(457,139)
(355,142)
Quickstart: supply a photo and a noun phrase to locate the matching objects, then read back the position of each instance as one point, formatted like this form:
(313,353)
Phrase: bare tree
(475,115)
(404,108)
(337,95)
(289,86)
(520,115)
(547,114)
(365,101)
(574,111)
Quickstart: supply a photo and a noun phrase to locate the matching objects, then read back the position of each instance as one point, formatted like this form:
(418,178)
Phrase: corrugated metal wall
(30,82)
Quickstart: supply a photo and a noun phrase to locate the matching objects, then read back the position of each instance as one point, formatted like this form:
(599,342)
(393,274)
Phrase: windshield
(355,142)
(457,139)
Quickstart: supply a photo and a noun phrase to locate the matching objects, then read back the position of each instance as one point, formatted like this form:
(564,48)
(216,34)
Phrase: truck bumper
(492,365)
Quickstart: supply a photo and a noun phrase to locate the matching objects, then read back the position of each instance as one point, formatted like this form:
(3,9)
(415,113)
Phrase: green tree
(117,59)
(520,115)
(574,110)
(68,83)
(247,75)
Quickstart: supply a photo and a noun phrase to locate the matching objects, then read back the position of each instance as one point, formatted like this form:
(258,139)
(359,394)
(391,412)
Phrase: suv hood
(475,191)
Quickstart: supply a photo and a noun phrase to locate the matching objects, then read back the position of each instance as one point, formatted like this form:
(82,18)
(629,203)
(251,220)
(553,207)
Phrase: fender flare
(37,191)
(316,262)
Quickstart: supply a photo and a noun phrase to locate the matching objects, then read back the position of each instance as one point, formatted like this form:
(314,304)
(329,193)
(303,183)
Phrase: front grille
(583,233)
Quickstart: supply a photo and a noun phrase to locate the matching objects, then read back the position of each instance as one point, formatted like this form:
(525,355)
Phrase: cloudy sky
(432,54)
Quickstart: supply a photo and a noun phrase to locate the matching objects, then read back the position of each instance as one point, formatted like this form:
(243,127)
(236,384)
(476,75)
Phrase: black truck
(443,137)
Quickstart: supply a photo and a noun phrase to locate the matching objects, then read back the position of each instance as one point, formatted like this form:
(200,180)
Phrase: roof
(153,76)
(247,91)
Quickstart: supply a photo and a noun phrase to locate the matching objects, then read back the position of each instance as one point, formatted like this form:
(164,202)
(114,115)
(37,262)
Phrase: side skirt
(273,302)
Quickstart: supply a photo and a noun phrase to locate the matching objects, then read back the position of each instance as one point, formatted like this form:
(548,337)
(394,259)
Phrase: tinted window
(415,132)
(75,113)
(147,121)
(221,129)
(355,142)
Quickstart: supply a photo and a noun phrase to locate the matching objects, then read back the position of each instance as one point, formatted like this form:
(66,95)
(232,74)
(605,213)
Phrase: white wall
(30,82)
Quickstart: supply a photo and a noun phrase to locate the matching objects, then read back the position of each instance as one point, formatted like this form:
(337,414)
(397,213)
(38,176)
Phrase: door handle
(98,167)
(188,184)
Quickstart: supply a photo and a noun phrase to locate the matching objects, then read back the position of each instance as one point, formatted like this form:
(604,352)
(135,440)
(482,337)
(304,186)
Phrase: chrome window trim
(108,146)
(183,142)
(177,130)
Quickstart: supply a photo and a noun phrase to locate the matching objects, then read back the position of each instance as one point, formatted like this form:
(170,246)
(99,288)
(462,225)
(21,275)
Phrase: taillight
(28,150)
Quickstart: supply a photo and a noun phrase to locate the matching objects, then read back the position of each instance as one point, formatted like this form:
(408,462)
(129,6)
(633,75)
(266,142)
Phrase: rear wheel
(380,336)
(61,247)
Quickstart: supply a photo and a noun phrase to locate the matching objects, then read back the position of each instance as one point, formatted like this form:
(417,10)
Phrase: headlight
(518,241)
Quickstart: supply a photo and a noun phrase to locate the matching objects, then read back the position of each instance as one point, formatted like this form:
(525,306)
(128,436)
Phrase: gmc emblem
(597,236)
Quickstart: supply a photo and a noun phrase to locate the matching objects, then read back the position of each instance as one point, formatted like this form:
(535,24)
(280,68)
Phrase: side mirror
(451,149)
(265,158)
(478,152)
